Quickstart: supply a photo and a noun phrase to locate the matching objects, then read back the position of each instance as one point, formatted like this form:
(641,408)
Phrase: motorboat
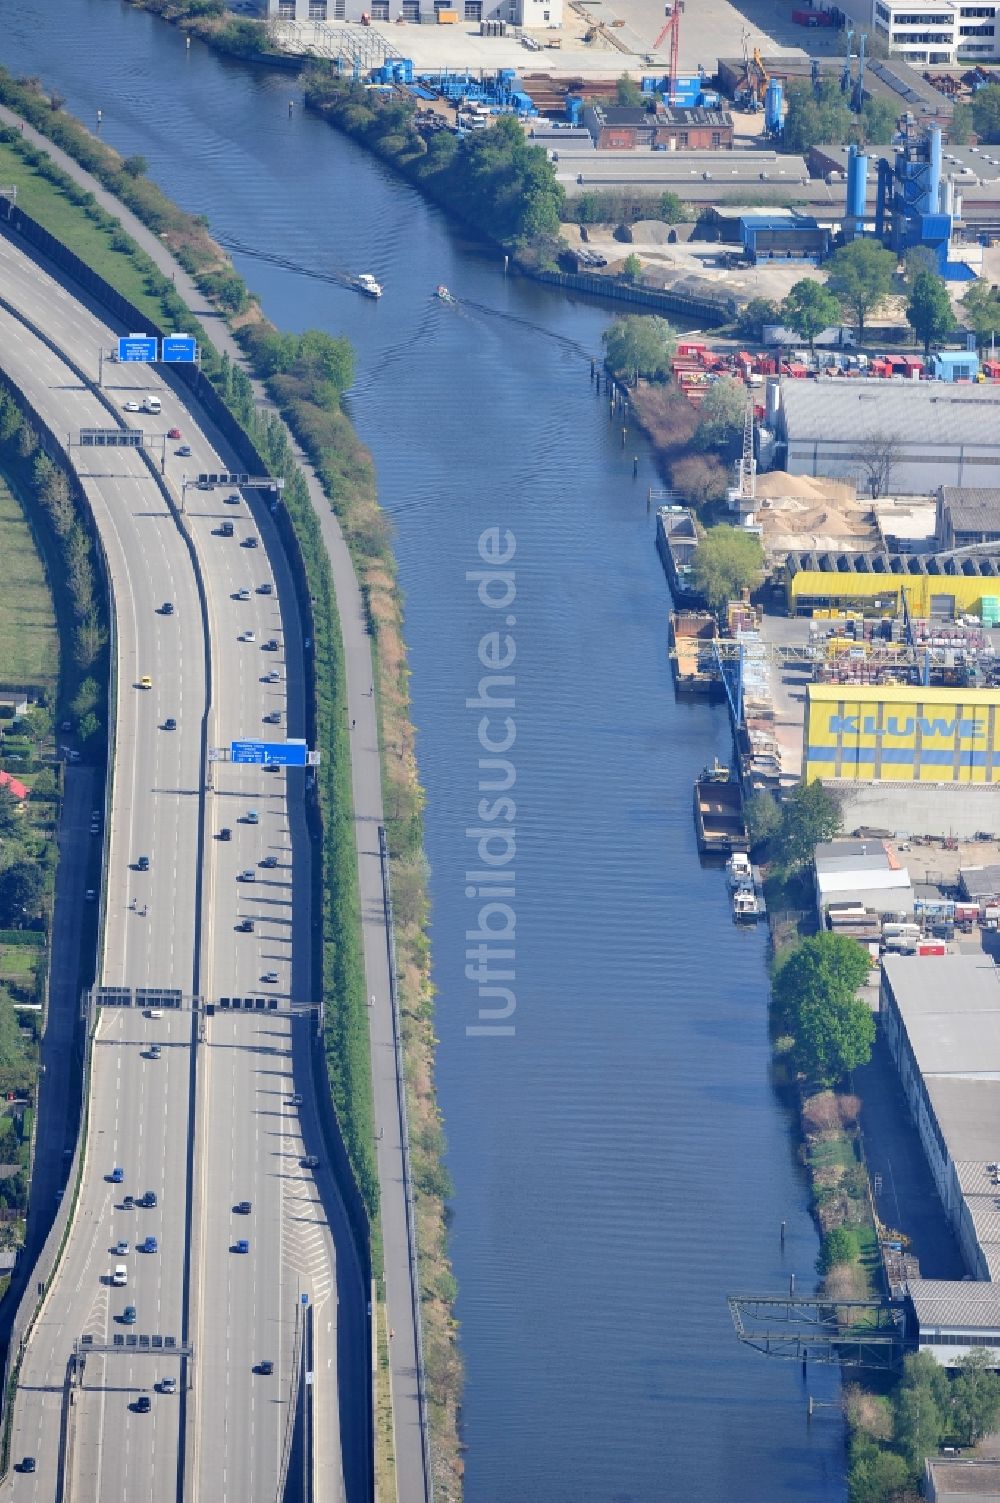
(442,292)
(739,872)
(367,284)
(747,908)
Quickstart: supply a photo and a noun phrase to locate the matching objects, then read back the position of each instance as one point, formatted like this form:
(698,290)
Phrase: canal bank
(630,1125)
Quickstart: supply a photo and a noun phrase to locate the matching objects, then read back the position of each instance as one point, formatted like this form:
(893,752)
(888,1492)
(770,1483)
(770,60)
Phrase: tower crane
(671,28)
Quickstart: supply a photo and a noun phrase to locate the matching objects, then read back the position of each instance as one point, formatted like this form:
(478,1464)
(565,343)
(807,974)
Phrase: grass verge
(28,636)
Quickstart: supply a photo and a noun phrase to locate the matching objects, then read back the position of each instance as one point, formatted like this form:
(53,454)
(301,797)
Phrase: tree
(631,268)
(878,118)
(814,992)
(981,307)
(929,310)
(727,561)
(975,1396)
(10,814)
(751,319)
(135,166)
(875,1475)
(810,308)
(722,413)
(628,91)
(21,888)
(860,276)
(813,116)
(832,1038)
(809,816)
(840,1245)
(986,114)
(86,698)
(919,1424)
(879,455)
(960,128)
(763,817)
(640,345)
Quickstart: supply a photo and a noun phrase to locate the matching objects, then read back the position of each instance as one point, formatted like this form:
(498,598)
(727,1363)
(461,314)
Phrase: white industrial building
(941,1019)
(863,874)
(944,434)
(936,31)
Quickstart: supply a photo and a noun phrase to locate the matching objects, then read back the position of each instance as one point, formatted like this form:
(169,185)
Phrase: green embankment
(28,637)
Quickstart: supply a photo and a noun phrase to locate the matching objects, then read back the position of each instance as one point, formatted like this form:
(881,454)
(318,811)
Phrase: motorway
(250,1135)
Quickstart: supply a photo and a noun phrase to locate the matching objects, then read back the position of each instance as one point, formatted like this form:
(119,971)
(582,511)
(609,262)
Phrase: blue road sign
(269,753)
(142,347)
(179,349)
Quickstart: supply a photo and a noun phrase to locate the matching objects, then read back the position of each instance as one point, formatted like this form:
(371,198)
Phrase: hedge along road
(366,777)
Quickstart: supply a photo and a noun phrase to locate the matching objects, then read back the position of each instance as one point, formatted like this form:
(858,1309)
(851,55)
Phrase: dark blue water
(620,1160)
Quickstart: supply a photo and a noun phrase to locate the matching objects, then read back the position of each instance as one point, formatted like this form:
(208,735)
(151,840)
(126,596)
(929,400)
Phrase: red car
(173,433)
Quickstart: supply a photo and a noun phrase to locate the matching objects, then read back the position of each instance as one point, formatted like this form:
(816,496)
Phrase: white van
(120,1276)
(151,404)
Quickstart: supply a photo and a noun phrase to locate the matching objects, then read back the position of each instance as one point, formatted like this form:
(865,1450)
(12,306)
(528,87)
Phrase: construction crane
(672,27)
(755,77)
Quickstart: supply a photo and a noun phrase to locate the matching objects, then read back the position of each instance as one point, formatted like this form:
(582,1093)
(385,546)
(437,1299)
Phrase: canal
(620,1160)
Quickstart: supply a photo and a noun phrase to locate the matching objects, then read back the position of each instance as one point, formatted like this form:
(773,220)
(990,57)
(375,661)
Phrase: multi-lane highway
(212,916)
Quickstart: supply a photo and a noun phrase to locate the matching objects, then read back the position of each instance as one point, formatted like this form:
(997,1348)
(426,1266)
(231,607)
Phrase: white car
(168,1385)
(121,1248)
(243,594)
(248,636)
(132,406)
(274,677)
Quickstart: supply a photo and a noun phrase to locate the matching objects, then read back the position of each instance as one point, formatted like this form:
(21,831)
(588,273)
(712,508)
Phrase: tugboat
(367,284)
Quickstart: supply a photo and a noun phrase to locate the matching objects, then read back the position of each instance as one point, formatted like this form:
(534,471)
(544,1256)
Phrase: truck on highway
(151,404)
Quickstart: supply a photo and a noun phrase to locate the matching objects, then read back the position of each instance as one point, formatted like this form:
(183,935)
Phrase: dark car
(128,1315)
(242,1246)
(142,865)
(117,1175)
(28,1464)
(265,1369)
(242,1208)
(271,645)
(148,1201)
(167,608)
(128,1203)
(142,1404)
(225,833)
(170,724)
(265,589)
(183,452)
(250,542)
(245,926)
(149,1246)
(225,529)
(269,861)
(233,499)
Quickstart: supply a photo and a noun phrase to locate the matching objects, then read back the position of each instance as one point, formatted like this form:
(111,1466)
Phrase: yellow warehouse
(809,589)
(902,734)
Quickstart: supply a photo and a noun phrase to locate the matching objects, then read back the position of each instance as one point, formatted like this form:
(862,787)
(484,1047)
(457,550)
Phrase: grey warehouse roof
(979,882)
(913,412)
(955,1304)
(968,516)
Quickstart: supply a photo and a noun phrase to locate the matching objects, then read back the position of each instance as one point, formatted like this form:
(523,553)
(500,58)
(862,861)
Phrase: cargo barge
(676,542)
(693,661)
(718,813)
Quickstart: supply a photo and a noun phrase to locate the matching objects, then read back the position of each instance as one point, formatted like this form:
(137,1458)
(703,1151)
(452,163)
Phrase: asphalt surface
(249,1138)
(412,1483)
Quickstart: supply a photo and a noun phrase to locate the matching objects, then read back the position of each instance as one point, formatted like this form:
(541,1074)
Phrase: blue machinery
(913,207)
